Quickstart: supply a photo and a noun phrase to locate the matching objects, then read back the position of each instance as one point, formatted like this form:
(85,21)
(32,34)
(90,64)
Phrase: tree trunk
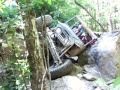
(35,58)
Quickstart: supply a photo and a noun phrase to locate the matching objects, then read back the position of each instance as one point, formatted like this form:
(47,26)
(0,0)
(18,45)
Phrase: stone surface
(76,69)
(93,70)
(79,83)
(89,77)
(70,83)
(79,75)
(103,64)
(105,54)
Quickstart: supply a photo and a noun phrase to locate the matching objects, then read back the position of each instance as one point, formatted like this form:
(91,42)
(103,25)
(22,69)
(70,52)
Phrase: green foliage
(60,10)
(1,5)
(116,82)
(115,85)
(17,69)
(7,12)
(17,75)
(100,82)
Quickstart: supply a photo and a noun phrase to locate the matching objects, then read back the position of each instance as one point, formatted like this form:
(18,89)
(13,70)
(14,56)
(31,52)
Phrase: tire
(61,70)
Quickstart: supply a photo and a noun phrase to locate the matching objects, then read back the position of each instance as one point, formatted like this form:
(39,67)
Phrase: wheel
(61,70)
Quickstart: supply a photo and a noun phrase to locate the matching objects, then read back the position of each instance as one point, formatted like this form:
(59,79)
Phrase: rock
(103,64)
(78,83)
(83,58)
(70,83)
(93,70)
(76,69)
(105,54)
(79,75)
(110,82)
(98,88)
(101,83)
(89,77)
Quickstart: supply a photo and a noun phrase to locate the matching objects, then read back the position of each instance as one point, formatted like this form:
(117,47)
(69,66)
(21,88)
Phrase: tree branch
(89,14)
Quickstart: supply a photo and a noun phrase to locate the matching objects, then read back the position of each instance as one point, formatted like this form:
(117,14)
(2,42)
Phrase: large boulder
(105,55)
(104,62)
(71,83)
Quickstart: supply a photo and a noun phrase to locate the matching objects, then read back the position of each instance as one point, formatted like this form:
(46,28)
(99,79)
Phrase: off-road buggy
(65,42)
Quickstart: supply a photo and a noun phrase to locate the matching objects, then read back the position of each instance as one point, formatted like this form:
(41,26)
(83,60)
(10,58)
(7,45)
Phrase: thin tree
(35,58)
